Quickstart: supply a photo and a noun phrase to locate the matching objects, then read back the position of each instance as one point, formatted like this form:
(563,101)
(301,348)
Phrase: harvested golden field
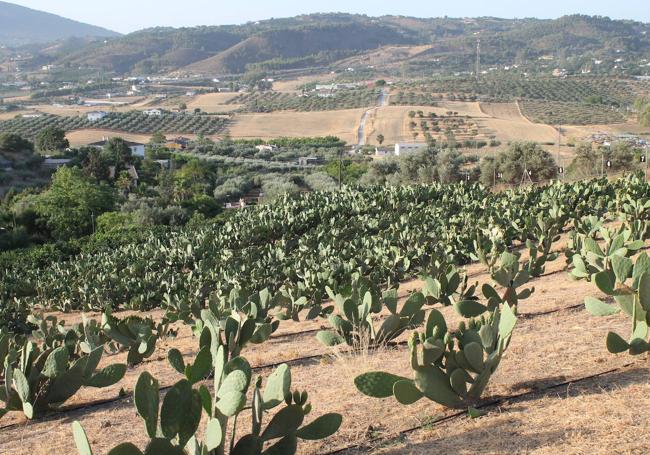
(12,114)
(581,132)
(504,120)
(557,389)
(74,110)
(293,85)
(343,123)
(84,137)
(213,102)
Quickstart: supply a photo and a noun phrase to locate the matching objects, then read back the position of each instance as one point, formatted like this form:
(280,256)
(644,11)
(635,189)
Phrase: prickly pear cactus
(450,368)
(593,258)
(39,380)
(508,276)
(172,427)
(353,323)
(628,283)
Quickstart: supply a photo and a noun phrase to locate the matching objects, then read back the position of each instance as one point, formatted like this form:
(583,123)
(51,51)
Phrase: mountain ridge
(20,25)
(322,39)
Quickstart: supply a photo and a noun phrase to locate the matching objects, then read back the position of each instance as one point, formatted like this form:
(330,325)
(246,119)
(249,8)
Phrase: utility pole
(559,159)
(478,59)
(340,168)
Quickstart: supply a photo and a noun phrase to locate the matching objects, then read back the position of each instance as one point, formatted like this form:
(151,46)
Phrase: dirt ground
(501,120)
(213,102)
(87,136)
(556,407)
(342,123)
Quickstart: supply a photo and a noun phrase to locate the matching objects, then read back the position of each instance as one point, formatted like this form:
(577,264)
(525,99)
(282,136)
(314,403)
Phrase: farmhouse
(96,115)
(409,147)
(265,148)
(137,149)
(152,112)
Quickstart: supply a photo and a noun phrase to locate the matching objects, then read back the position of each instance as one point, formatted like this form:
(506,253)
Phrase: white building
(153,112)
(265,148)
(405,148)
(137,149)
(96,115)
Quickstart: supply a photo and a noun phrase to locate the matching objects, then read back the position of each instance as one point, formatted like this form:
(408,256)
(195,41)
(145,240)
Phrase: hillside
(22,26)
(302,47)
(325,39)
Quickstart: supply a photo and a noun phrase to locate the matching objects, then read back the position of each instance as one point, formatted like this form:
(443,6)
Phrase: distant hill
(20,26)
(306,46)
(325,39)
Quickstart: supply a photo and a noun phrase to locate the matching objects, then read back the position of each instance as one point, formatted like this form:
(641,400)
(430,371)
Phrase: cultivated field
(343,123)
(79,138)
(213,102)
(505,121)
(557,389)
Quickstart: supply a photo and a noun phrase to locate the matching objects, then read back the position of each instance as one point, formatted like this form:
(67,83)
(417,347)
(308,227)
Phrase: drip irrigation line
(369,445)
(296,361)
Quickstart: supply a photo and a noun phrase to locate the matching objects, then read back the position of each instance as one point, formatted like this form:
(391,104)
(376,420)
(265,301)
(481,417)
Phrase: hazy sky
(130,15)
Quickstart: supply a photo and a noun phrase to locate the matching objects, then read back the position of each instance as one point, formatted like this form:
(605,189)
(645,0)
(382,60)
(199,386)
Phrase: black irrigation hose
(97,403)
(93,404)
(298,360)
(368,445)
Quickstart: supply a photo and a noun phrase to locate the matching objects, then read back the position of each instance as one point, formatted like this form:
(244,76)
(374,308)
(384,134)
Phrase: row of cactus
(628,283)
(172,427)
(451,368)
(589,258)
(541,236)
(135,334)
(507,274)
(356,305)
(37,380)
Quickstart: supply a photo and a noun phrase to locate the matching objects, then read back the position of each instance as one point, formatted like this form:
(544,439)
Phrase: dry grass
(293,85)
(213,102)
(594,416)
(343,123)
(87,136)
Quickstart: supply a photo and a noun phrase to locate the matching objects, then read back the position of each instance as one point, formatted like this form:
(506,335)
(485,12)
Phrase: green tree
(117,153)
(380,139)
(517,157)
(52,139)
(72,202)
(95,166)
(13,143)
(448,165)
(158,138)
